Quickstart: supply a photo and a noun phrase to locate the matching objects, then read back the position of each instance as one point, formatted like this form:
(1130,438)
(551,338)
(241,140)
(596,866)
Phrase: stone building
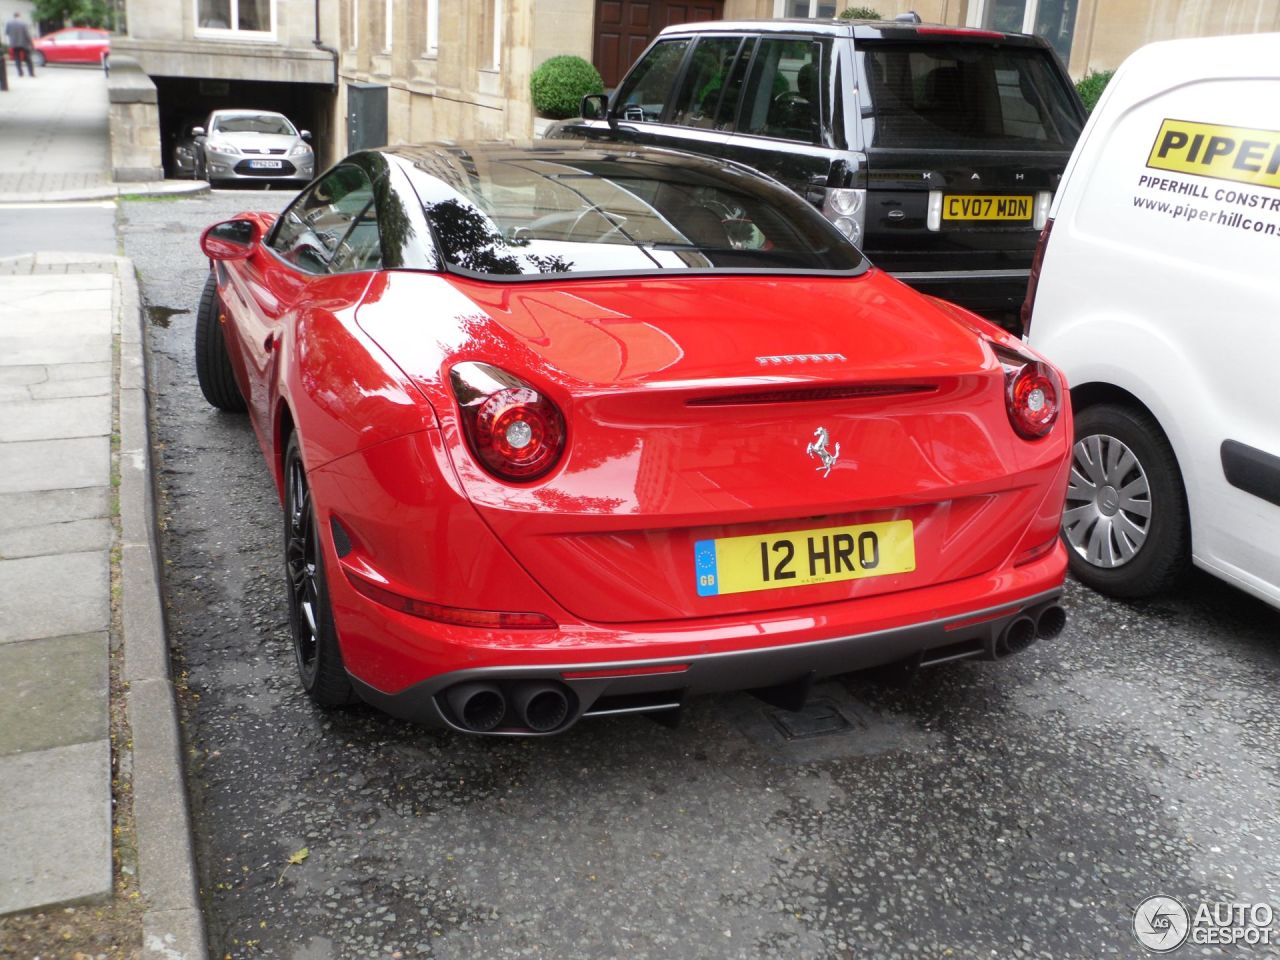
(456,69)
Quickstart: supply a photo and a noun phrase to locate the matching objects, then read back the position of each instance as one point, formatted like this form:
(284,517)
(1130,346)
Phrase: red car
(565,430)
(72,45)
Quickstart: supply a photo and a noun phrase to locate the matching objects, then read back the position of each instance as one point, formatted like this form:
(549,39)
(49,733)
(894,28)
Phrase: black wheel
(1125,522)
(213,365)
(38,58)
(315,640)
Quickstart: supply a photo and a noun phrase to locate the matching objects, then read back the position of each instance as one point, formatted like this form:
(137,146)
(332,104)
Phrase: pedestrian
(19,38)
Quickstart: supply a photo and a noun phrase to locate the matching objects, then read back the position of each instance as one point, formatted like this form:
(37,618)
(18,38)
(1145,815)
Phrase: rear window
(966,95)
(526,216)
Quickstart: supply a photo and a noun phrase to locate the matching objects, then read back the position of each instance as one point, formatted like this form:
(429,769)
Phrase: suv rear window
(965,96)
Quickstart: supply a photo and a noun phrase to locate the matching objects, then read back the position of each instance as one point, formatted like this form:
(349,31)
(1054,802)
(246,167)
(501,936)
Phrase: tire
(315,639)
(1125,522)
(213,364)
(38,58)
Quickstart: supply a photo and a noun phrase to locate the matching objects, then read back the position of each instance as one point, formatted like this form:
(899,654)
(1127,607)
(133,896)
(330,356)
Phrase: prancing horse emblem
(818,448)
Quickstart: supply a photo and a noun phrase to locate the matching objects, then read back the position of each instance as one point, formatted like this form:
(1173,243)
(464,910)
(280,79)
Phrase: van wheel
(1125,520)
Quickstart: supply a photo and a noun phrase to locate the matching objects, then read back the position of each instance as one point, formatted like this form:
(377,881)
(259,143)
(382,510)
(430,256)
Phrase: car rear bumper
(608,672)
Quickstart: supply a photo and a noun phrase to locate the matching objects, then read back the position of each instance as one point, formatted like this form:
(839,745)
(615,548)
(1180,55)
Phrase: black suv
(936,149)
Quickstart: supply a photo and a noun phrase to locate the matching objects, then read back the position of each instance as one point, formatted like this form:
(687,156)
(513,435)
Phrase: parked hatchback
(936,149)
(72,45)
(1157,295)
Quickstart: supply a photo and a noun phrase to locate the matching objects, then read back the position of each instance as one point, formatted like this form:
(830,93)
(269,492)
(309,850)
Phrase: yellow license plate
(976,207)
(803,557)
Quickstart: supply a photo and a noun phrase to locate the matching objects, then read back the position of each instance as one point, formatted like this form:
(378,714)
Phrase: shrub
(860,13)
(1091,86)
(559,84)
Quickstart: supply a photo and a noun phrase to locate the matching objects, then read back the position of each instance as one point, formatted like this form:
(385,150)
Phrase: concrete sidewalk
(55,142)
(79,591)
(56,535)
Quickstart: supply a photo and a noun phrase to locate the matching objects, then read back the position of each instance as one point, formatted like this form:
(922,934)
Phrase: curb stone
(173,926)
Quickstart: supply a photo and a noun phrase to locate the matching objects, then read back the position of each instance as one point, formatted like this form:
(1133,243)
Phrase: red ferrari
(565,430)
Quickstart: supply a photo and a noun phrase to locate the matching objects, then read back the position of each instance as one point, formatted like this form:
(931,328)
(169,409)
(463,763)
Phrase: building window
(433,28)
(821,9)
(491,51)
(1055,20)
(237,16)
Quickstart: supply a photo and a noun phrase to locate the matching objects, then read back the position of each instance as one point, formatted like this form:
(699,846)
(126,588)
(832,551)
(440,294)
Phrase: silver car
(253,145)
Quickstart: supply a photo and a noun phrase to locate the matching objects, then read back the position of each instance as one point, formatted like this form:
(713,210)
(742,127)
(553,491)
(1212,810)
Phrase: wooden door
(625,27)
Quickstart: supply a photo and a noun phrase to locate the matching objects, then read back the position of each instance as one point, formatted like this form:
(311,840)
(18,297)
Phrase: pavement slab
(54,464)
(43,508)
(55,692)
(54,596)
(56,828)
(56,419)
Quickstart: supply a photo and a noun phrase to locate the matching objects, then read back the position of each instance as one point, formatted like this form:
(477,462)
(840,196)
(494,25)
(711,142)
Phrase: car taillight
(515,432)
(1033,280)
(1031,398)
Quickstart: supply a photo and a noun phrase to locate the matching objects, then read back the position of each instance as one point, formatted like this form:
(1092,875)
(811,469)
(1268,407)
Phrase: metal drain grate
(818,718)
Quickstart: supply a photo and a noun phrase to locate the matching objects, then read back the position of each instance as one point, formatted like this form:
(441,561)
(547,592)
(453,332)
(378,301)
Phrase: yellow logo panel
(1224,153)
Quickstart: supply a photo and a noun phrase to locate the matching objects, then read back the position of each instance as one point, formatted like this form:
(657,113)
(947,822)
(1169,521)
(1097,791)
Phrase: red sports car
(566,430)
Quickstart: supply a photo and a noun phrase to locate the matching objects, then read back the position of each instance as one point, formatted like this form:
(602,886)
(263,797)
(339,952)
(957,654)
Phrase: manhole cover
(818,718)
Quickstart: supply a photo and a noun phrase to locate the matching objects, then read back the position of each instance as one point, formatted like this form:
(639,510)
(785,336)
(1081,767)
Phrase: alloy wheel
(300,559)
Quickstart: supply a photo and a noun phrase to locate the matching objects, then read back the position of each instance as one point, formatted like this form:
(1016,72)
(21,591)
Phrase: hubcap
(300,562)
(1108,513)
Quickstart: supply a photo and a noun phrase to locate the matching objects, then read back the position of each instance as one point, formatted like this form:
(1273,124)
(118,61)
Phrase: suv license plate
(967,206)
(804,557)
(266,164)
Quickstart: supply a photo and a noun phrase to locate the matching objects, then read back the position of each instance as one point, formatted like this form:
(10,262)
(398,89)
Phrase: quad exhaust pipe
(478,707)
(1026,629)
(535,706)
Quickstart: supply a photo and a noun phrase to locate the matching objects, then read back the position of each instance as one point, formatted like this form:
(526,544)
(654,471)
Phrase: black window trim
(268,242)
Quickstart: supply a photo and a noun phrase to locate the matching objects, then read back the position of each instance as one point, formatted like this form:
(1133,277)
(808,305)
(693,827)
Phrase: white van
(1156,290)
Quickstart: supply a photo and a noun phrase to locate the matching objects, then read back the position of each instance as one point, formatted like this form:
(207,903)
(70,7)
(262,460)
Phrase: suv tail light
(1031,398)
(1033,279)
(846,208)
(515,432)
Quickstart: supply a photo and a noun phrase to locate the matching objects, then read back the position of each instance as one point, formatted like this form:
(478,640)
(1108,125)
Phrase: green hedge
(860,13)
(559,84)
(1090,88)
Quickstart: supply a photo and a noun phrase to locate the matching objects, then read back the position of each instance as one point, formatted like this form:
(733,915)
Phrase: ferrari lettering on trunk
(802,557)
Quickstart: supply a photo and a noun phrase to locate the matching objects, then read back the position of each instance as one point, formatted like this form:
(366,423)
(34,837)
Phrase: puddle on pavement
(160,316)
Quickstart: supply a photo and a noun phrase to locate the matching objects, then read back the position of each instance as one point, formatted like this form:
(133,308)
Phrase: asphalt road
(1015,809)
(87,227)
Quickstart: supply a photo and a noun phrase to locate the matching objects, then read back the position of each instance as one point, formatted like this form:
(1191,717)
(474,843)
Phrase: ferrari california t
(564,430)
